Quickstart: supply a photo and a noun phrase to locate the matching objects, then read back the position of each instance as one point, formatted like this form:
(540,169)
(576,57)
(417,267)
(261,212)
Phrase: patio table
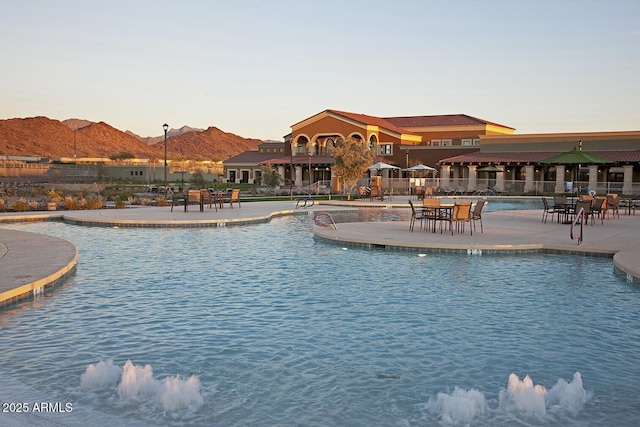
(438,213)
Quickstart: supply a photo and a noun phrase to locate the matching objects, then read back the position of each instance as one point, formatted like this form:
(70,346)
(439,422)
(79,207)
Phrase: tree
(197,179)
(352,158)
(270,177)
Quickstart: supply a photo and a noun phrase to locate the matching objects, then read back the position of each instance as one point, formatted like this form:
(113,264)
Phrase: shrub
(95,203)
(71,203)
(161,201)
(20,205)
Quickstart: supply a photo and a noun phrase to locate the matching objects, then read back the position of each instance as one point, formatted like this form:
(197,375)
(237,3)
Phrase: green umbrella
(575,157)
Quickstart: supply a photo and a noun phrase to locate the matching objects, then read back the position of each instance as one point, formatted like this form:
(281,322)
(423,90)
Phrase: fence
(511,187)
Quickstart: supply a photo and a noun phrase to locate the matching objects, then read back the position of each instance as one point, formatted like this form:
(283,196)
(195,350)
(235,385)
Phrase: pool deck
(29,262)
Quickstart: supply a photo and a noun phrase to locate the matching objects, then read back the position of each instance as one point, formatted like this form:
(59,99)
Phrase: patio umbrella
(382,165)
(420,167)
(489,168)
(574,157)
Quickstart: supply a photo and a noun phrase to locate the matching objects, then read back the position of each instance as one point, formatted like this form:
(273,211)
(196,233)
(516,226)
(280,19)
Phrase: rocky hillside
(44,137)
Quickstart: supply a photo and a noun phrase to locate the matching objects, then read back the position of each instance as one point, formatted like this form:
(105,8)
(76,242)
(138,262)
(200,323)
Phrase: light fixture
(166,128)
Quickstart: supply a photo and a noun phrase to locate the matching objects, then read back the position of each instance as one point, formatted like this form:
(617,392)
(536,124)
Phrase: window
(385,149)
(446,143)
(476,141)
(467,142)
(435,142)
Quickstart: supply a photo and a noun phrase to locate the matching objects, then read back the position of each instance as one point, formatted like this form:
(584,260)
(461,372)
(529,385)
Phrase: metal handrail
(579,216)
(323,214)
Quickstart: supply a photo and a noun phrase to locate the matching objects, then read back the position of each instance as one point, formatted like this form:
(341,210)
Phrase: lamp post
(166,128)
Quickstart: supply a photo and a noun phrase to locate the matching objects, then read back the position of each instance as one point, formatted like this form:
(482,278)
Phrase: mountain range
(44,137)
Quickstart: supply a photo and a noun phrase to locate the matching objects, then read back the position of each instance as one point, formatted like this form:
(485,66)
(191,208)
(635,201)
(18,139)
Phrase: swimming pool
(263,325)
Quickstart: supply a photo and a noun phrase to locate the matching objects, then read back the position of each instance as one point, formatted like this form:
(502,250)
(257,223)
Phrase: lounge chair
(415,215)
(460,215)
(476,214)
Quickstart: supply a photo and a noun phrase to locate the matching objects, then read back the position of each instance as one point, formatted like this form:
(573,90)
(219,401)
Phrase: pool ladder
(579,217)
(319,216)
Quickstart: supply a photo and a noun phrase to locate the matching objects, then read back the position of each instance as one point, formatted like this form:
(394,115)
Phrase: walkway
(29,262)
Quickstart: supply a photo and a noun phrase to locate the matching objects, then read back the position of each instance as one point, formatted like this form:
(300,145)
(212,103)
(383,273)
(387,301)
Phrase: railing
(324,219)
(579,217)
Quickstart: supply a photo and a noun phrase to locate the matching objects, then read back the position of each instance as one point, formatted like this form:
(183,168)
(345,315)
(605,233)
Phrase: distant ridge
(44,137)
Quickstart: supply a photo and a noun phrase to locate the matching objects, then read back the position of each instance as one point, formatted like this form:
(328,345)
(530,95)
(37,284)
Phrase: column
(529,181)
(298,180)
(444,178)
(627,185)
(500,179)
(281,173)
(560,179)
(473,174)
(593,177)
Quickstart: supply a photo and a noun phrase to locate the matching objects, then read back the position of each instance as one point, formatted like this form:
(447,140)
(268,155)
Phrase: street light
(166,128)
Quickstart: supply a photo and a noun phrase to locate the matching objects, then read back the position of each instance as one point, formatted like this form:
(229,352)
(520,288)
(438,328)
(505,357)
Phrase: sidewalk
(29,262)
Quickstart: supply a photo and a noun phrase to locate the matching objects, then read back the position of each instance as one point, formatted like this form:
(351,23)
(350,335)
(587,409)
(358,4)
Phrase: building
(247,167)
(457,144)
(400,141)
(519,160)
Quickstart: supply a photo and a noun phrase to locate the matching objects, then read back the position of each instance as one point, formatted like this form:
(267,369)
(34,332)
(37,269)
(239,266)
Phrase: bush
(20,205)
(71,203)
(95,203)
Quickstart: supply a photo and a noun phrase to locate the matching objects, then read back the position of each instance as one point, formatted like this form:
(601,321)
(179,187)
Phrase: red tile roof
(529,158)
(370,120)
(440,120)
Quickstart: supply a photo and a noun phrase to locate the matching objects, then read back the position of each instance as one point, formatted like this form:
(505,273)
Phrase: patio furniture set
(433,213)
(567,207)
(207,196)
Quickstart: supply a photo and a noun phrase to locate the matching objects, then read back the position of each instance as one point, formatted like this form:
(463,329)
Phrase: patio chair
(419,192)
(613,205)
(376,193)
(599,208)
(549,209)
(476,215)
(586,206)
(363,191)
(208,198)
(429,211)
(415,215)
(460,215)
(234,196)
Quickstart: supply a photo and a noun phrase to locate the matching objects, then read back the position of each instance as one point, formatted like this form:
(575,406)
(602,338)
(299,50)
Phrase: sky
(254,68)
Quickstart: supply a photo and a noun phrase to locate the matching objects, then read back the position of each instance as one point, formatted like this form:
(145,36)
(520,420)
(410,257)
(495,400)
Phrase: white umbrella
(421,167)
(383,165)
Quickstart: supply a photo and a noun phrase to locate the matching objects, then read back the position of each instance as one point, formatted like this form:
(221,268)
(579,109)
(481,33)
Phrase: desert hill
(44,137)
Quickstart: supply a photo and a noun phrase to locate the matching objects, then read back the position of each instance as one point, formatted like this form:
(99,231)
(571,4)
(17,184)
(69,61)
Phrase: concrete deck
(29,262)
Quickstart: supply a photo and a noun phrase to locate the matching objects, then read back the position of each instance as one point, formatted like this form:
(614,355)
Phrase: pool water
(264,325)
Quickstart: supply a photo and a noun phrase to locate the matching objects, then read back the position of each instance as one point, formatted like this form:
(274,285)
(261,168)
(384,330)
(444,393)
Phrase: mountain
(150,140)
(44,137)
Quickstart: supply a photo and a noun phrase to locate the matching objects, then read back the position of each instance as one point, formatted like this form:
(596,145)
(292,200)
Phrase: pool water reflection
(263,325)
